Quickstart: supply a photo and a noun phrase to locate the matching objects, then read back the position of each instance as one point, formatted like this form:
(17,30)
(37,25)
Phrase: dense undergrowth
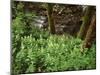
(42,52)
(35,50)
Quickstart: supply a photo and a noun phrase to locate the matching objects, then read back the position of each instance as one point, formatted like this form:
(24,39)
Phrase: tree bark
(50,18)
(91,33)
(86,22)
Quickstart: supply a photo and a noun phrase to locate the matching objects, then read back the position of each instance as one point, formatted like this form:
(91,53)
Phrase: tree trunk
(91,33)
(86,22)
(50,18)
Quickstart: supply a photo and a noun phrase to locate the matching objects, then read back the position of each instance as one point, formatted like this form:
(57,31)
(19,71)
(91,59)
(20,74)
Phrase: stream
(40,22)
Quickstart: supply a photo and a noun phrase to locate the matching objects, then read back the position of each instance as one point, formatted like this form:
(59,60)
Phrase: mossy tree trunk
(91,33)
(50,18)
(86,22)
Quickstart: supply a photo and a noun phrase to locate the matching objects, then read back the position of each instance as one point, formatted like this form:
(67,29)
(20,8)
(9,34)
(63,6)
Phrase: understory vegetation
(42,52)
(35,50)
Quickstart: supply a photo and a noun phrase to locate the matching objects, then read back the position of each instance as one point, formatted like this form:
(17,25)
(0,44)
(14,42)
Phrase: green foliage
(56,53)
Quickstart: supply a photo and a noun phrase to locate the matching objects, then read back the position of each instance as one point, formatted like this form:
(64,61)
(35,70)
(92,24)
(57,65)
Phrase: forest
(51,37)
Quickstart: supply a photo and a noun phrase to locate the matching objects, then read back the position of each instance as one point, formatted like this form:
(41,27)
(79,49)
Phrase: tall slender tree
(50,18)
(86,22)
(91,33)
